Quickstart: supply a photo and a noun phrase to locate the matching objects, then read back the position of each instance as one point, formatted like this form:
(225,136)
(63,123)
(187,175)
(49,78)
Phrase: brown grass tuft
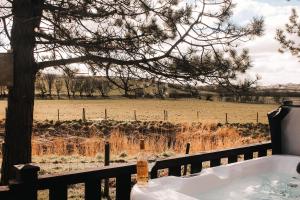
(202,138)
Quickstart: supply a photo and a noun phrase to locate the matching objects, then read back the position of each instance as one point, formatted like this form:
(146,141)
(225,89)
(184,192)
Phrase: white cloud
(268,62)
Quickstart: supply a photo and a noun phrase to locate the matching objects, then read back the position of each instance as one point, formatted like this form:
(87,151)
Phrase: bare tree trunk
(126,92)
(21,95)
(67,83)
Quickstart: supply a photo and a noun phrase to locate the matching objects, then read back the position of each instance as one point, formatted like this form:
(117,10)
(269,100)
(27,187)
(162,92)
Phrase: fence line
(165,116)
(256,117)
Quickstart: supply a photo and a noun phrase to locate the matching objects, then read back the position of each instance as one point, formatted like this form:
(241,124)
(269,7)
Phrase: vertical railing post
(4,177)
(134,115)
(83,115)
(105,114)
(106,163)
(187,151)
(4,160)
(25,185)
(167,114)
(196,167)
(153,172)
(6,114)
(123,186)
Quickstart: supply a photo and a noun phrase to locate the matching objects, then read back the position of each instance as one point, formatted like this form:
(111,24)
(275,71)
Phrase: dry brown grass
(184,110)
(205,138)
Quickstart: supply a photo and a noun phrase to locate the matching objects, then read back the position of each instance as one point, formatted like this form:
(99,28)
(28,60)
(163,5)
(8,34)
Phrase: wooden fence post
(105,114)
(257,117)
(83,115)
(134,115)
(6,113)
(226,118)
(106,163)
(187,151)
(165,115)
(57,114)
(198,115)
(25,186)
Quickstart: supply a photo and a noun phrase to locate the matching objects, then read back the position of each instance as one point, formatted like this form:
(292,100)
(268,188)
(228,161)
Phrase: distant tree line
(71,86)
(49,85)
(53,85)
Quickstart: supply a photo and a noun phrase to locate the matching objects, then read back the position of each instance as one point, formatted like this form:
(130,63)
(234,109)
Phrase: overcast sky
(272,66)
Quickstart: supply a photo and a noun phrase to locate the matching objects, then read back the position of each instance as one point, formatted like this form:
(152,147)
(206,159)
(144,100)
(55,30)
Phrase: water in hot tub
(270,186)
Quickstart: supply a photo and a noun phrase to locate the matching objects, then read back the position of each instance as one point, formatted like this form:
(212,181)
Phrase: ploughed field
(183,110)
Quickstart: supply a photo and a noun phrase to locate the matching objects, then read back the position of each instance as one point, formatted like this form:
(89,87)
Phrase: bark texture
(21,95)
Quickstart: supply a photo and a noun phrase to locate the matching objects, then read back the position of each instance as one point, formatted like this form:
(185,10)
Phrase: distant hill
(286,87)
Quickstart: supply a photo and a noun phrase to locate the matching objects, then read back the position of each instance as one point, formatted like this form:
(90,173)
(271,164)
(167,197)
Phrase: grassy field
(184,110)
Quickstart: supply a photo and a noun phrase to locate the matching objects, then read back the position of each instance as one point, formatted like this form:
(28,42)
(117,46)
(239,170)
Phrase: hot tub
(274,177)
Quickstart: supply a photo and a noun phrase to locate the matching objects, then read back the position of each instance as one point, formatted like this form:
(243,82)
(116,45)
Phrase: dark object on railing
(27,182)
(187,151)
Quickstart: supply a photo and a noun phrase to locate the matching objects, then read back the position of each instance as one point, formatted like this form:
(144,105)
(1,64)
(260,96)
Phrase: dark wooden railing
(175,165)
(27,181)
